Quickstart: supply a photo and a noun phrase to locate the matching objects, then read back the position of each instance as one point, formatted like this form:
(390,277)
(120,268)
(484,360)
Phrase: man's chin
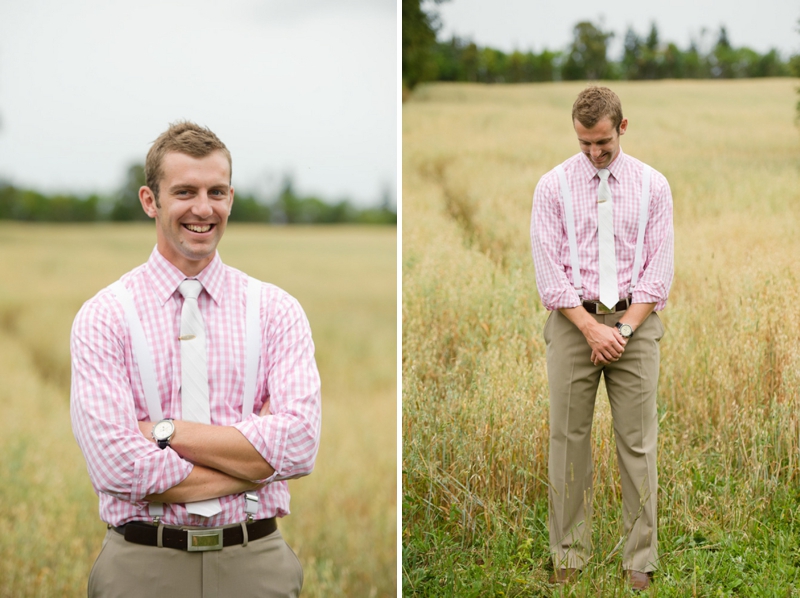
(199,250)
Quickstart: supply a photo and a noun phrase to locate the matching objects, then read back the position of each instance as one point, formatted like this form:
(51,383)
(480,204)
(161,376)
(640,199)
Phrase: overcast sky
(307,87)
(537,24)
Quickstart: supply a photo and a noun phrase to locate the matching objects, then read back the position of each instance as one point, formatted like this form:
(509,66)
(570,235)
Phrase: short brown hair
(594,103)
(183,137)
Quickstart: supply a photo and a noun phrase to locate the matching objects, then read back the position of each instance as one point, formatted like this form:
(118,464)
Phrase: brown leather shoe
(638,580)
(564,575)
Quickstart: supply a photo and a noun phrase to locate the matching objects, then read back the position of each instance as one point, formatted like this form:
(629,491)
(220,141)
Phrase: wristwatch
(163,432)
(625,330)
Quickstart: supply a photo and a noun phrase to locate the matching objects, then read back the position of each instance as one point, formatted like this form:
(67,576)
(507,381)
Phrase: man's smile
(199,228)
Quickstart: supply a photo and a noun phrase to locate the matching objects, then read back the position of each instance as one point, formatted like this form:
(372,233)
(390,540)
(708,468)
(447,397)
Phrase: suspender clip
(250,505)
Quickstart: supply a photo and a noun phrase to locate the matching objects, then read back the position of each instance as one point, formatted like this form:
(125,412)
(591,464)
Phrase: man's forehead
(179,163)
(602,129)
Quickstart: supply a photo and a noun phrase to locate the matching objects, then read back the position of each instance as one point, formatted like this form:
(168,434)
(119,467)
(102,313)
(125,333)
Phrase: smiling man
(602,239)
(195,396)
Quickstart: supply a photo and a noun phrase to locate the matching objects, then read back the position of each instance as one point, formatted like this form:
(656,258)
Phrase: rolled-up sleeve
(288,438)
(658,267)
(121,462)
(547,238)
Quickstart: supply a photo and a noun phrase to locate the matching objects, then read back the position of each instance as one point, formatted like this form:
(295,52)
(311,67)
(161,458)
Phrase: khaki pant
(266,567)
(631,383)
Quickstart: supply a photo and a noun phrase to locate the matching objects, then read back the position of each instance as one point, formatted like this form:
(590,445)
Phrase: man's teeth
(199,229)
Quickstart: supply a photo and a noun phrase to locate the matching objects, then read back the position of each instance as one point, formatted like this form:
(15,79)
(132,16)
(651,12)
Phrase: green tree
(695,66)
(674,64)
(246,208)
(587,56)
(631,55)
(652,59)
(126,201)
(419,39)
(794,69)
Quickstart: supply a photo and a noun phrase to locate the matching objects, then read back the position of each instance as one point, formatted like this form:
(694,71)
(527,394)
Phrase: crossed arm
(224,461)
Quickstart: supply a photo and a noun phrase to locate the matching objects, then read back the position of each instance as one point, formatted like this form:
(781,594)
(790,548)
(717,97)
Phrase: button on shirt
(108,399)
(550,245)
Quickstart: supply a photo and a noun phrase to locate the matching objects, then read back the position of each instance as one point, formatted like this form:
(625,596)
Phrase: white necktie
(609,292)
(194,375)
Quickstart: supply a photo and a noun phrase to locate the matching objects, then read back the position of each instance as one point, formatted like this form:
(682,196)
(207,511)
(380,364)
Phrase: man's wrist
(163,432)
(625,330)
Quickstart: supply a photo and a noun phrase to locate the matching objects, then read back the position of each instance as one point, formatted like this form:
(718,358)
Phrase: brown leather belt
(195,539)
(592,307)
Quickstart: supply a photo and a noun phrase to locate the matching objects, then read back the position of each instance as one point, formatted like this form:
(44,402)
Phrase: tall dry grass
(475,400)
(343,521)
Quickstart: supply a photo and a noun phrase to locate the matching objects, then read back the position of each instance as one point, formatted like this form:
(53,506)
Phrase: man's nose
(595,152)
(202,205)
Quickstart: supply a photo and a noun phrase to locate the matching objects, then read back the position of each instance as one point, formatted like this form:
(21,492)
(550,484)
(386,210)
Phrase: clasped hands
(607,344)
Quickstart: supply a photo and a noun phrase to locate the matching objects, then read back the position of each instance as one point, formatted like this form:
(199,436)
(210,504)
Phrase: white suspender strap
(147,370)
(252,345)
(644,210)
(141,351)
(252,353)
(566,196)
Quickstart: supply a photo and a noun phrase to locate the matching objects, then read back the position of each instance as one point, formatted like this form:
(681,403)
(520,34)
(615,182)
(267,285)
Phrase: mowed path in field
(474,386)
(343,526)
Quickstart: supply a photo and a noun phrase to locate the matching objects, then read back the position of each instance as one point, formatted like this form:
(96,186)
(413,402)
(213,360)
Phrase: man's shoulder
(272,296)
(105,306)
(570,166)
(549,182)
(637,167)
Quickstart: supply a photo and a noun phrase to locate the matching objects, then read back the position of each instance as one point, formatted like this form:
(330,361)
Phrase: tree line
(287,207)
(586,58)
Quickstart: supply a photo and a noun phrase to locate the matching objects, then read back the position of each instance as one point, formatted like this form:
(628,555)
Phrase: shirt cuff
(642,296)
(561,298)
(157,472)
(258,432)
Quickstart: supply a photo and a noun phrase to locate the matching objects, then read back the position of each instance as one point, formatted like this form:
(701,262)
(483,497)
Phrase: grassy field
(475,401)
(343,522)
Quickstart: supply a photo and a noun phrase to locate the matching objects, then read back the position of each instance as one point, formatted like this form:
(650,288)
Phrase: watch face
(625,330)
(163,430)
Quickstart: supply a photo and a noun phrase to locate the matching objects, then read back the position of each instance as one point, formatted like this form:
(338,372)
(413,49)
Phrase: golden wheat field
(475,401)
(343,521)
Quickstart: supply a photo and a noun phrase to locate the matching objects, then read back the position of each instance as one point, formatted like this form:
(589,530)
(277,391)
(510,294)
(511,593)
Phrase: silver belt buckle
(602,309)
(202,540)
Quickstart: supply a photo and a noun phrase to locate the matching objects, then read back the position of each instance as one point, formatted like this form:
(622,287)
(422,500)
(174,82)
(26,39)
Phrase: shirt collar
(616,168)
(165,277)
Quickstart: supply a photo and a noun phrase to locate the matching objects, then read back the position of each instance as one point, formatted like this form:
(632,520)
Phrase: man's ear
(148,201)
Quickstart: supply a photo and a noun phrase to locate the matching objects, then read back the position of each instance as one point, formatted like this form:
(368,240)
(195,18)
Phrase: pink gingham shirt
(551,255)
(108,399)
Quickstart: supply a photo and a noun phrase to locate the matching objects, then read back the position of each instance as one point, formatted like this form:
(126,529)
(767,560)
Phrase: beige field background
(343,521)
(475,403)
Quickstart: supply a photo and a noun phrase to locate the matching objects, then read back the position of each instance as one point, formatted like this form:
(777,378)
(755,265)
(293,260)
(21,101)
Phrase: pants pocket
(661,330)
(91,590)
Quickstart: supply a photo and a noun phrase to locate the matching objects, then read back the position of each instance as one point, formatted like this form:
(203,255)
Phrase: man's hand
(606,342)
